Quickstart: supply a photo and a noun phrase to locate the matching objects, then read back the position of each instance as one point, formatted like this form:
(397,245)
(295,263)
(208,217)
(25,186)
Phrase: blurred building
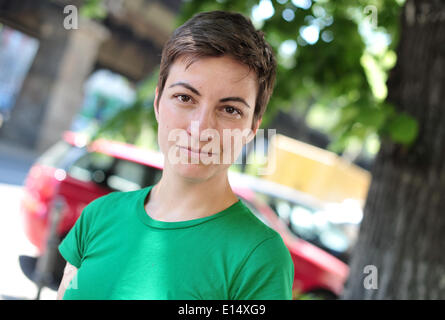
(13,66)
(127,42)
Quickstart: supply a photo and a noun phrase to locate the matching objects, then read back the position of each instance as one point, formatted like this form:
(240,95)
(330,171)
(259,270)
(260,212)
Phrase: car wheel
(320,294)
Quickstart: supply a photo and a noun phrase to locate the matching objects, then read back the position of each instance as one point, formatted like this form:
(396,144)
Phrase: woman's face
(208,108)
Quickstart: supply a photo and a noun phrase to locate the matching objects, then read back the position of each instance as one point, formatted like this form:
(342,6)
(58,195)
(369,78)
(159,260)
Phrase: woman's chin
(197,172)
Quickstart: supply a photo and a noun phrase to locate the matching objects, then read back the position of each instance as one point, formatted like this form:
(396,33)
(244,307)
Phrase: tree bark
(403,229)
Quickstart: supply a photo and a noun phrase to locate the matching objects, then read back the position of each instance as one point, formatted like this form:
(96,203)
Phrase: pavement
(14,285)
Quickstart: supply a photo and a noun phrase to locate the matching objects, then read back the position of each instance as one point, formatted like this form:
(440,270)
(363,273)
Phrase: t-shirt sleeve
(267,273)
(73,246)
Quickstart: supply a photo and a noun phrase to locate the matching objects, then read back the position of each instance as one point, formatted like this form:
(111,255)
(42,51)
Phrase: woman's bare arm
(68,274)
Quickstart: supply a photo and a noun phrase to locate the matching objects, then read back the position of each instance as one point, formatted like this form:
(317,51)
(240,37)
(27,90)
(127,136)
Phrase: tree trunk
(403,228)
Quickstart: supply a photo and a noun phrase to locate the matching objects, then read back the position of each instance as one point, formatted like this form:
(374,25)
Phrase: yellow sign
(315,171)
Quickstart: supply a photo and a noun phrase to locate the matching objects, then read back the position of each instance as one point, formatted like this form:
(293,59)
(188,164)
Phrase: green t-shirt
(123,253)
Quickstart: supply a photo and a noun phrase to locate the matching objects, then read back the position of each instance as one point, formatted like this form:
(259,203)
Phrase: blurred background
(351,175)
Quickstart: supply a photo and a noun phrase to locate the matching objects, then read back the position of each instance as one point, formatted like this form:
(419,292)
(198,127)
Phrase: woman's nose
(202,121)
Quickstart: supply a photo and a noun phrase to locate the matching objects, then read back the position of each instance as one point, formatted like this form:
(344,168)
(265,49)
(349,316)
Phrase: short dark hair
(218,33)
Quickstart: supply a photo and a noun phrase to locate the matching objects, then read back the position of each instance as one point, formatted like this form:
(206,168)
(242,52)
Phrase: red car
(72,173)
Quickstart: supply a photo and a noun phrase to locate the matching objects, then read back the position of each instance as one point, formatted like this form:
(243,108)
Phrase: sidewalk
(15,163)
(14,285)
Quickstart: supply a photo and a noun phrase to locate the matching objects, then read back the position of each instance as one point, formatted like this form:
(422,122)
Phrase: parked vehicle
(332,227)
(72,173)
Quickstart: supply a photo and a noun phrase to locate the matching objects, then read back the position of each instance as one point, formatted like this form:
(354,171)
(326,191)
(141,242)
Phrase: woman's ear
(255,127)
(155,104)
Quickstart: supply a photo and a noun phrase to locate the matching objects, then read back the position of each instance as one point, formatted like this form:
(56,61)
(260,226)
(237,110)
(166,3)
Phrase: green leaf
(372,117)
(93,9)
(403,128)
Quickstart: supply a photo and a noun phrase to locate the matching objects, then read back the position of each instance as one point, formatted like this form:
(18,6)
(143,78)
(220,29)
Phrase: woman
(189,236)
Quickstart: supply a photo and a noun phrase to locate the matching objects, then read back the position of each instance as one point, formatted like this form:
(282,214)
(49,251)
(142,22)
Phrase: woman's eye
(232,110)
(183,98)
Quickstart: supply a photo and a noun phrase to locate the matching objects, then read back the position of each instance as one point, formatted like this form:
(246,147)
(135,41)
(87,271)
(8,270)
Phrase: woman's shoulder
(115,199)
(253,237)
(246,226)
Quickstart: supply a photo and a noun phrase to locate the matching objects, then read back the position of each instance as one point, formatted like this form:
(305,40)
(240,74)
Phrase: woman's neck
(179,199)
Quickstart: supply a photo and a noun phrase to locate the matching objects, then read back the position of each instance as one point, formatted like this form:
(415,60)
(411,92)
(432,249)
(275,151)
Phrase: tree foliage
(328,71)
(329,59)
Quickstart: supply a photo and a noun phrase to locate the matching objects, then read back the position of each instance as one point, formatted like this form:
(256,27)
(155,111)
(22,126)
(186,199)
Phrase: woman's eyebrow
(237,99)
(195,91)
(185,85)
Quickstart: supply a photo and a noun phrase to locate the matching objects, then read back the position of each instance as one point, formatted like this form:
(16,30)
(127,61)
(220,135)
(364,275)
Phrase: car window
(113,173)
(55,155)
(91,167)
(309,224)
(129,176)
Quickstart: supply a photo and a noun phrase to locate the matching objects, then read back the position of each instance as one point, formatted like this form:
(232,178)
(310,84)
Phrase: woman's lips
(194,151)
